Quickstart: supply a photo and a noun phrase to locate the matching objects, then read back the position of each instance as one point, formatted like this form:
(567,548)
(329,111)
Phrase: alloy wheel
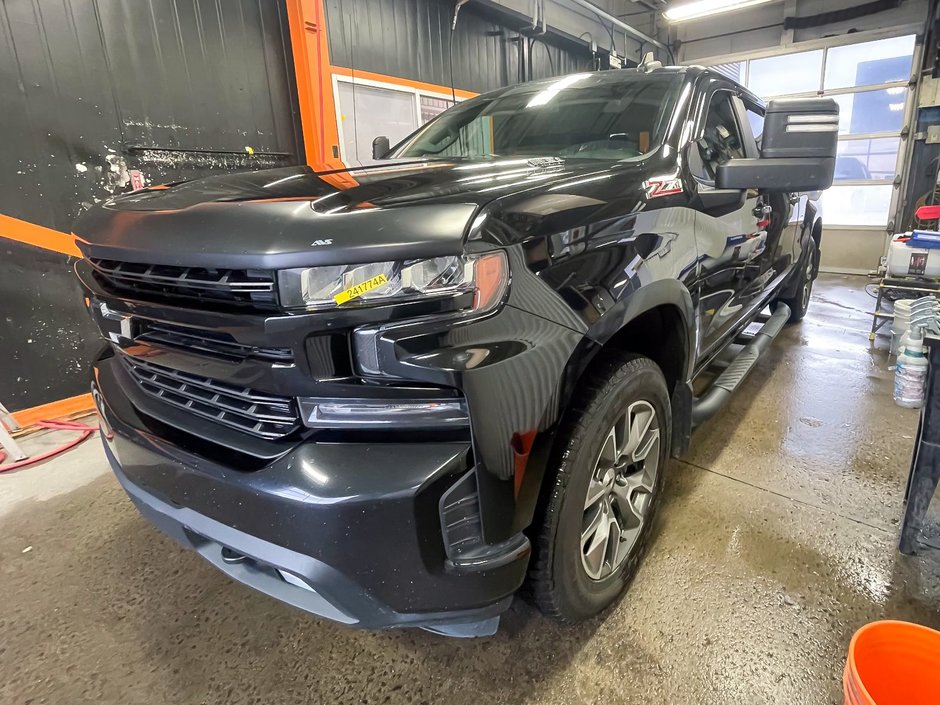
(620,490)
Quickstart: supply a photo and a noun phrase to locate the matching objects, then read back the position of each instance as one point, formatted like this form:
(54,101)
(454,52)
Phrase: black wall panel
(411,39)
(46,336)
(91,90)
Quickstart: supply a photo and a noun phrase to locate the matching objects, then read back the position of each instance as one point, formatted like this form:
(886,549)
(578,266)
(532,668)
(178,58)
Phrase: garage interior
(777,535)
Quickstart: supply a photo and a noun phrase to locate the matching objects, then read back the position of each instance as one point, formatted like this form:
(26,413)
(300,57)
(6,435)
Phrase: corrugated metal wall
(92,89)
(410,39)
(86,83)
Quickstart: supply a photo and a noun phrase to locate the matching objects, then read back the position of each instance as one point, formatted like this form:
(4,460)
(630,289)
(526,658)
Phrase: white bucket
(902,319)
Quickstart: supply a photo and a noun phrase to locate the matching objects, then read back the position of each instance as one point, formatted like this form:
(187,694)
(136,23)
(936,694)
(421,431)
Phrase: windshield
(588,116)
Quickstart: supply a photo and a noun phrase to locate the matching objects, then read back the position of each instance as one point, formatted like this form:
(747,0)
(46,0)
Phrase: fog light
(321,412)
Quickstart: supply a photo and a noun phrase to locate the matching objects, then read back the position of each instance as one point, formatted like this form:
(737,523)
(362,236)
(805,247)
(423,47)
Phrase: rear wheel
(799,304)
(600,502)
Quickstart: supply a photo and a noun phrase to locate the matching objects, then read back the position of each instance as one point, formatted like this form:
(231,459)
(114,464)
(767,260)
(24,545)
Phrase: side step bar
(705,406)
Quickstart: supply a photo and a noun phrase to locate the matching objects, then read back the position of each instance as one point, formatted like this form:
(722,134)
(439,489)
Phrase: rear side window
(722,140)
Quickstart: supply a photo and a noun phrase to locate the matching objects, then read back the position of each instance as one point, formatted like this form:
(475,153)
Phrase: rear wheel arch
(812,224)
(816,234)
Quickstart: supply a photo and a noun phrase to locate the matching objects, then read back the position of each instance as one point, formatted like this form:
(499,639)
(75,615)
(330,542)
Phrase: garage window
(367,108)
(869,80)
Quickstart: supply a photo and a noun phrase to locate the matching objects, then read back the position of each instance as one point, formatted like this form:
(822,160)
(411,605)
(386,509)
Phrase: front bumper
(355,527)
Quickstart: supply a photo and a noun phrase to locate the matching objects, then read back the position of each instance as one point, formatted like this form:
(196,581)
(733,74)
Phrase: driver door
(730,227)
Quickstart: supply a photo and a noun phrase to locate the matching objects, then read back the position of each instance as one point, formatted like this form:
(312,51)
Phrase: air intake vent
(255,413)
(460,517)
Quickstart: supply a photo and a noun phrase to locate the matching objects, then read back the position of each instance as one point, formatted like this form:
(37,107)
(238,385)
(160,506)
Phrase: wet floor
(775,542)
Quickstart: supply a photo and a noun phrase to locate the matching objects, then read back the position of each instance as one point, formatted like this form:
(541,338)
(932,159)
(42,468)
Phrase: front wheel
(599,504)
(799,304)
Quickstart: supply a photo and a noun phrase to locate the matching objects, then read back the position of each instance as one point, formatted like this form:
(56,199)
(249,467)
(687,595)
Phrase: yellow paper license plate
(360,289)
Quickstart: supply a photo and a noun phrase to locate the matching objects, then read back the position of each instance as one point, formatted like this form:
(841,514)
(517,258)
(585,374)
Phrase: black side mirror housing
(798,149)
(719,202)
(798,174)
(380,147)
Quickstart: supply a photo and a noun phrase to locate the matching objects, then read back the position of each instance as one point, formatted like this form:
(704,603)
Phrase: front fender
(539,450)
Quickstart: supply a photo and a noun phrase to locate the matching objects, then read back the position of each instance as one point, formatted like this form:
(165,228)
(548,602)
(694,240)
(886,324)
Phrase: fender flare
(662,292)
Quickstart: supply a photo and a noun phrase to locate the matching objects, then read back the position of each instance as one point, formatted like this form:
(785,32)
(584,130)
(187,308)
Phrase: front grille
(262,415)
(233,287)
(219,345)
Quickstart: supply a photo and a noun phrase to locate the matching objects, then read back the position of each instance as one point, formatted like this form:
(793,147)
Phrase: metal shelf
(918,286)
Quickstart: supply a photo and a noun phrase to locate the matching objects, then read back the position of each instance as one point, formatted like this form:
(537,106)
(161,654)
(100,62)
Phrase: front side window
(722,139)
(756,119)
(582,116)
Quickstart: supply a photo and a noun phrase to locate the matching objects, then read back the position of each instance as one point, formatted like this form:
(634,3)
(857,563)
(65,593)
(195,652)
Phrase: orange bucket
(893,663)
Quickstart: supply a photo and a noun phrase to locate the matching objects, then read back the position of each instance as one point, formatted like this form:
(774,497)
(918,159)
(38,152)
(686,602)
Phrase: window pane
(856,205)
(365,112)
(757,125)
(734,71)
(871,111)
(867,159)
(432,107)
(722,139)
(869,63)
(791,73)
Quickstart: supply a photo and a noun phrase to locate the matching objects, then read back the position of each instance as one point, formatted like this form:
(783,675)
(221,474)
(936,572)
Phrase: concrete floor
(775,542)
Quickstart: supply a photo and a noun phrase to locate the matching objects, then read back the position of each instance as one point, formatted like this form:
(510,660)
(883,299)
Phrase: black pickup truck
(390,396)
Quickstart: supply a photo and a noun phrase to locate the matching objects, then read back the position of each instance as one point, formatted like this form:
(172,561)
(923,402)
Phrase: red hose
(85,430)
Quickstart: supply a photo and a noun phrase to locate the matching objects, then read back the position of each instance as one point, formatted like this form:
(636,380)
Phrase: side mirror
(380,147)
(798,149)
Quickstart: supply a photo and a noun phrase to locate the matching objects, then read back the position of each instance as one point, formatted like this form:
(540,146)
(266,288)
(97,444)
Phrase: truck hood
(296,217)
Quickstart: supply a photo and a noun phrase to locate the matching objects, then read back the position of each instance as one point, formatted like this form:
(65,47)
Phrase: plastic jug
(910,371)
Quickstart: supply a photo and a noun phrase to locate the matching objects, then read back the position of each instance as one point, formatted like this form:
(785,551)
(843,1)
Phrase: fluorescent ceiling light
(706,8)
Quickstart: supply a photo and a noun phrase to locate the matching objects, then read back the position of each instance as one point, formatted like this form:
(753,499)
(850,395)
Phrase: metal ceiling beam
(620,24)
(573,20)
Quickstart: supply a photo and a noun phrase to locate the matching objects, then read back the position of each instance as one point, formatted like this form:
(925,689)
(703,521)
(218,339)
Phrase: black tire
(559,582)
(799,304)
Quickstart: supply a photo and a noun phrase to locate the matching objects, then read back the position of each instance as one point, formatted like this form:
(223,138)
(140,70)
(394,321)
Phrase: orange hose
(85,430)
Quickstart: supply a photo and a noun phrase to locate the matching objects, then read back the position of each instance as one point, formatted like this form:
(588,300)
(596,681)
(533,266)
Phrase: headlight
(316,288)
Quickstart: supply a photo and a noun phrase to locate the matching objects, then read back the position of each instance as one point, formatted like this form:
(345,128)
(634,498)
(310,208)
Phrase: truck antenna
(649,63)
